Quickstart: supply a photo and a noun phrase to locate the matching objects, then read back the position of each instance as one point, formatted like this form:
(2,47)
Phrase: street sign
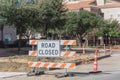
(48,48)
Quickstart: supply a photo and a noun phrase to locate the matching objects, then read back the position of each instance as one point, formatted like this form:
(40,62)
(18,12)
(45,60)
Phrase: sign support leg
(66,60)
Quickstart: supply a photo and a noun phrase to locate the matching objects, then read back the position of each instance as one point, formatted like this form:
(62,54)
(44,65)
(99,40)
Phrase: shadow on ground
(6,52)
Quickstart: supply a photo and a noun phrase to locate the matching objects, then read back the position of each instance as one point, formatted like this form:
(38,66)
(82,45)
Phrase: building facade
(111,11)
(108,9)
(7,33)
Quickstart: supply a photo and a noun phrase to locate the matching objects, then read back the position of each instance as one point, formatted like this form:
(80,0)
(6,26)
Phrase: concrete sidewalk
(11,74)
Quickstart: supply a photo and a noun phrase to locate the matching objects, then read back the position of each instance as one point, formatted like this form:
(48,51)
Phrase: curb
(99,58)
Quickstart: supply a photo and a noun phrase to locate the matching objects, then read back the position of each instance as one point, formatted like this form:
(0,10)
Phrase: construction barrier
(95,61)
(51,65)
(67,53)
(95,68)
(62,42)
(63,53)
(110,49)
(51,48)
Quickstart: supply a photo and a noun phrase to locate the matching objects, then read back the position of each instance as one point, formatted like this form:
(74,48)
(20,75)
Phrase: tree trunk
(110,40)
(86,42)
(1,28)
(59,34)
(19,46)
(2,34)
(79,40)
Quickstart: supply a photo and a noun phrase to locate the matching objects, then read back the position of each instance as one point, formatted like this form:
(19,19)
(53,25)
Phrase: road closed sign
(48,48)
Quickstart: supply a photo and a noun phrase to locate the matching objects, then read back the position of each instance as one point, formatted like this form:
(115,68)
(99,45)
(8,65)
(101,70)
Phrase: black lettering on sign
(41,52)
(53,45)
(56,52)
(48,45)
(42,45)
(48,52)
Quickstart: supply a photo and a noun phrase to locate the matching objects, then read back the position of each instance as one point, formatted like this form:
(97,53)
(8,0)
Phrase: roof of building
(109,5)
(79,4)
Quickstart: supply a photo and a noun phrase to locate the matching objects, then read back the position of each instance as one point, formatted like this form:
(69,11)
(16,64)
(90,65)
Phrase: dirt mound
(116,47)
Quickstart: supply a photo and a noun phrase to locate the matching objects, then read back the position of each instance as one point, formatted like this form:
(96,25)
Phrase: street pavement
(111,76)
(11,74)
(110,68)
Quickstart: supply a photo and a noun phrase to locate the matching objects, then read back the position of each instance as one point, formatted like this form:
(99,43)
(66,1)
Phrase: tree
(52,15)
(49,15)
(21,19)
(80,23)
(109,29)
(3,5)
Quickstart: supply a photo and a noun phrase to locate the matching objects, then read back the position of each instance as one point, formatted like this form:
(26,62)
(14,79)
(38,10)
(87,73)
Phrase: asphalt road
(110,76)
(115,75)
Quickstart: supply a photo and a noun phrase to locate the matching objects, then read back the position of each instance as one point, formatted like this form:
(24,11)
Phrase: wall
(9,33)
(111,13)
(100,2)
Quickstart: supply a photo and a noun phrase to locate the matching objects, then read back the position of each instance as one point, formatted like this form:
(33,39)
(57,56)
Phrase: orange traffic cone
(110,49)
(95,61)
(104,49)
(95,69)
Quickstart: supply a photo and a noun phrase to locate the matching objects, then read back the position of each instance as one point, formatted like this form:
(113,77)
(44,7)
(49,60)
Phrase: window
(118,14)
(107,1)
(111,15)
(31,1)
(8,38)
(119,22)
(102,15)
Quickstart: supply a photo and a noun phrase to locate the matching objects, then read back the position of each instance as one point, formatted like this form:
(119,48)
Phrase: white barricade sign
(48,48)
(51,48)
